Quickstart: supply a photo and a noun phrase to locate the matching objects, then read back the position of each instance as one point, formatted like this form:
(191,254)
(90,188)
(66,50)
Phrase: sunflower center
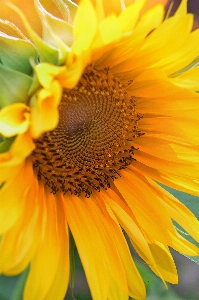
(93,140)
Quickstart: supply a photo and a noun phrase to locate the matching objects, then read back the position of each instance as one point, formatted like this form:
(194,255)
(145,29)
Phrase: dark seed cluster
(93,141)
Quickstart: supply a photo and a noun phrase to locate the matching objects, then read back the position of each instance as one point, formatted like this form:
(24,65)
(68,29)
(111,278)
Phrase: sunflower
(94,114)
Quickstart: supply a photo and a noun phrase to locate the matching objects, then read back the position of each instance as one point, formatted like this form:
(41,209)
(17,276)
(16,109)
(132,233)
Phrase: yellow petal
(12,161)
(177,181)
(90,246)
(118,287)
(163,165)
(185,104)
(44,264)
(188,80)
(135,282)
(47,73)
(23,236)
(129,16)
(159,147)
(152,83)
(60,283)
(178,129)
(182,8)
(44,109)
(12,204)
(128,223)
(14,119)
(137,200)
(84,27)
(180,213)
(164,262)
(149,21)
(183,246)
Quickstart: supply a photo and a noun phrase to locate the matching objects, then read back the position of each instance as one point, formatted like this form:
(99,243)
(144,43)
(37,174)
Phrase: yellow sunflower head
(94,111)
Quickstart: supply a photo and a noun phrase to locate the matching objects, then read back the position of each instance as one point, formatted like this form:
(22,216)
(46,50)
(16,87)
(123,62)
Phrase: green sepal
(15,49)
(68,9)
(14,86)
(6,143)
(35,86)
(15,54)
(10,29)
(56,32)
(46,52)
(18,292)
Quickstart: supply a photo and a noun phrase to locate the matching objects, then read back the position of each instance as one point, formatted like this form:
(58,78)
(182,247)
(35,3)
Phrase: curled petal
(46,73)
(44,109)
(14,119)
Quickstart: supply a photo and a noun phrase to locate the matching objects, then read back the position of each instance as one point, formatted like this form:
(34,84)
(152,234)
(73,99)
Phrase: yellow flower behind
(93,114)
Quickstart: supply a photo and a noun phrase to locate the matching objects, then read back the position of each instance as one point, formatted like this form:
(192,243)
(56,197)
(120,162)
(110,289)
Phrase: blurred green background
(187,289)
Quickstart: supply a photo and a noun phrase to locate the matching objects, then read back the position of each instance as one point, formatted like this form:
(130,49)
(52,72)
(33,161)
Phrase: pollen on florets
(93,140)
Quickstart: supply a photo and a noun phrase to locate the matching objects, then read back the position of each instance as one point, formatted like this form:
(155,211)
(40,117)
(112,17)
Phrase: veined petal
(186,104)
(136,201)
(12,206)
(118,287)
(128,223)
(135,283)
(173,152)
(154,126)
(184,183)
(23,235)
(90,246)
(152,83)
(44,264)
(60,283)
